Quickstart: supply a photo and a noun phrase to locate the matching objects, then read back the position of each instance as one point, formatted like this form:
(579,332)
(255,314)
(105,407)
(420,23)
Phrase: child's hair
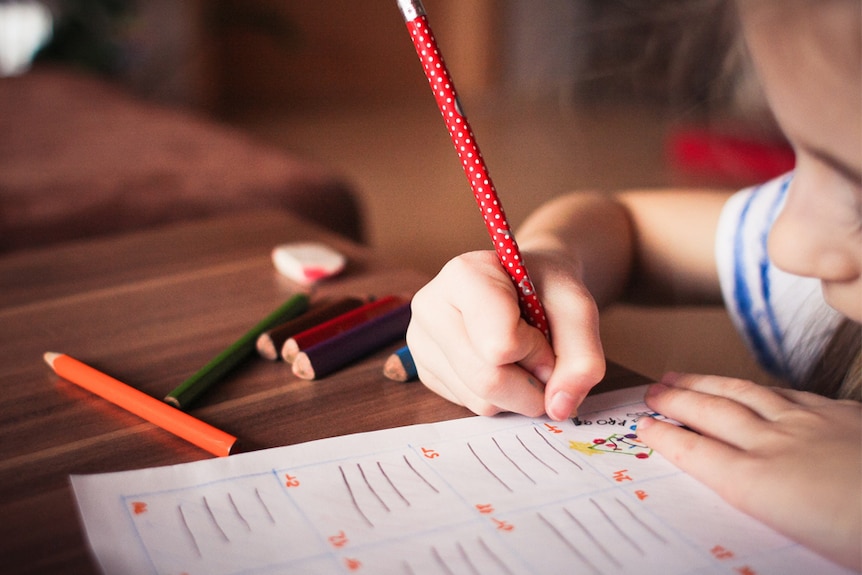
(689,56)
(838,371)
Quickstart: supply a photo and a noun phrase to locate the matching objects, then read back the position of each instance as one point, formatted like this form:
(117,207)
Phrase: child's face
(809,57)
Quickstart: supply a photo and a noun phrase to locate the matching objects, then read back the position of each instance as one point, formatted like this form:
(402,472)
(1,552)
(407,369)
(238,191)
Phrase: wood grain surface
(150,308)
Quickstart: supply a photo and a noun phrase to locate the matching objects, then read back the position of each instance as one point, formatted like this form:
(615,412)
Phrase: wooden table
(150,309)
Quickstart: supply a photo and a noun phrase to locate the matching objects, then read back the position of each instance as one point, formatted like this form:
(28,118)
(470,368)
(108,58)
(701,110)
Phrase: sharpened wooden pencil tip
(266,348)
(50,356)
(302,367)
(393,369)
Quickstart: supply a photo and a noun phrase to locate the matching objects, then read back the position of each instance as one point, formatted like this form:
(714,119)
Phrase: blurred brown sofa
(79,158)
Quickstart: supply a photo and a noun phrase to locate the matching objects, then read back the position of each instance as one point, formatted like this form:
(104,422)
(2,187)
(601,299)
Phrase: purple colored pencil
(336,352)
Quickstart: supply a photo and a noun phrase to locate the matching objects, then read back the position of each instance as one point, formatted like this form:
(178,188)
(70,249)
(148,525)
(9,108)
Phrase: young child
(786,256)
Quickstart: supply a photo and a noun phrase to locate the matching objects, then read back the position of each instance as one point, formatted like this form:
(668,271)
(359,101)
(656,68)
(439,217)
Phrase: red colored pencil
(337,325)
(472,161)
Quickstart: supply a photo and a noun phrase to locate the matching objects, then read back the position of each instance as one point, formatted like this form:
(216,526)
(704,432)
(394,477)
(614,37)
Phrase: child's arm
(583,251)
(789,458)
(646,246)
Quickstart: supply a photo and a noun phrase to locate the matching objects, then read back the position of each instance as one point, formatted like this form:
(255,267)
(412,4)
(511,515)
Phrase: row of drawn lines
(369,486)
(514,463)
(648,536)
(216,524)
(454,565)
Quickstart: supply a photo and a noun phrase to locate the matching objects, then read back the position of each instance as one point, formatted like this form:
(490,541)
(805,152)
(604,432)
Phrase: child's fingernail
(644,422)
(562,406)
(656,389)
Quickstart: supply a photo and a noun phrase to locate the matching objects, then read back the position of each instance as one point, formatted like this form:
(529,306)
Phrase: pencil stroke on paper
(536,457)
(512,461)
(371,488)
(593,539)
(499,563)
(556,449)
(440,562)
(238,513)
(617,528)
(419,475)
(215,522)
(488,469)
(474,556)
(353,498)
(392,484)
(641,522)
(565,541)
(187,530)
(263,504)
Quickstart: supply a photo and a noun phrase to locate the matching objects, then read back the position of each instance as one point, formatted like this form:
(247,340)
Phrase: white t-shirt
(783,318)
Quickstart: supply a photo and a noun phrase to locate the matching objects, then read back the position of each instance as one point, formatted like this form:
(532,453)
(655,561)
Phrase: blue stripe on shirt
(765,264)
(742,293)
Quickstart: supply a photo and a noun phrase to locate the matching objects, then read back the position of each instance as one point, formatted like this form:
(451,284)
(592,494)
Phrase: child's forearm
(591,230)
(652,246)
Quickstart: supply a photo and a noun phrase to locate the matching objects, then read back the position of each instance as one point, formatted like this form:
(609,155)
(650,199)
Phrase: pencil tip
(393,369)
(50,356)
(302,367)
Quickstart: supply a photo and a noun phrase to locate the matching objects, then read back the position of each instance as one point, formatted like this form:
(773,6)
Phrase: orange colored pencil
(153,410)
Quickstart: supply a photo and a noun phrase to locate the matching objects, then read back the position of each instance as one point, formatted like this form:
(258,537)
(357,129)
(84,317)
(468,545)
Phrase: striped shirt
(782,317)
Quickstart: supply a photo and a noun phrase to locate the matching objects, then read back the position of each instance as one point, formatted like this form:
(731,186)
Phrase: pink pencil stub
(307,263)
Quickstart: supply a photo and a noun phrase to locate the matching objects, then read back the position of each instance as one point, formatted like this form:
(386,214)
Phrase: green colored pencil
(190,389)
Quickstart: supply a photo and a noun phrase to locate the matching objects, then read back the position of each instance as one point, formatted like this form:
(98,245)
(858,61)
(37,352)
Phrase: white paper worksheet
(481,495)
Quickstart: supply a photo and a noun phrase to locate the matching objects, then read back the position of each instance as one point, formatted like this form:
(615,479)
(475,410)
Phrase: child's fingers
(760,399)
(711,461)
(451,367)
(580,360)
(708,414)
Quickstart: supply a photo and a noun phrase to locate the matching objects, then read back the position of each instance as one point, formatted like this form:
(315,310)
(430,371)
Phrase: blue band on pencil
(407,362)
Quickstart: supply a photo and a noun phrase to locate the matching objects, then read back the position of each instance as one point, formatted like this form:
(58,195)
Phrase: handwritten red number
(291,481)
(338,540)
(485,508)
(139,507)
(430,453)
(553,428)
(353,564)
(620,476)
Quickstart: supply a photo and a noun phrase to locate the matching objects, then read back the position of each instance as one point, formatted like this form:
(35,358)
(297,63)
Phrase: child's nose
(806,240)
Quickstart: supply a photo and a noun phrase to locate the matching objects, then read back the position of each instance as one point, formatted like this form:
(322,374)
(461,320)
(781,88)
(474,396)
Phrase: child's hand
(791,459)
(472,347)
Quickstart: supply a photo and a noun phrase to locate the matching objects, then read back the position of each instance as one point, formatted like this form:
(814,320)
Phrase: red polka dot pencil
(472,161)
